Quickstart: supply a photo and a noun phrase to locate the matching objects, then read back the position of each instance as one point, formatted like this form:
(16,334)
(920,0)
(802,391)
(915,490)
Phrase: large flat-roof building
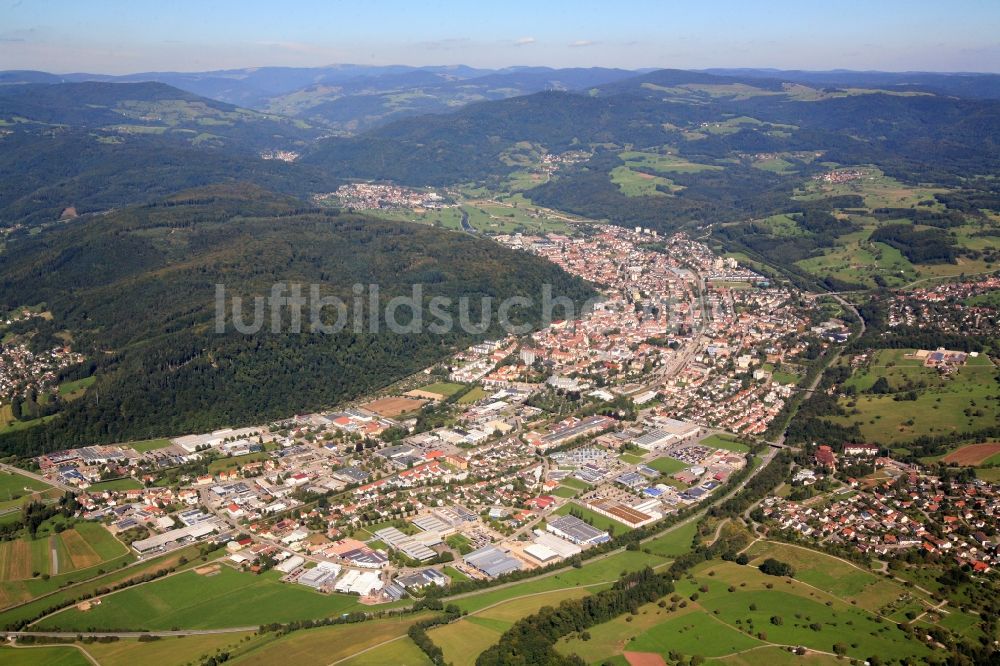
(180,535)
(493,561)
(576,530)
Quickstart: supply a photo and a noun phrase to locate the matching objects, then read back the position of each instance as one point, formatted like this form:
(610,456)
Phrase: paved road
(129,634)
(468,228)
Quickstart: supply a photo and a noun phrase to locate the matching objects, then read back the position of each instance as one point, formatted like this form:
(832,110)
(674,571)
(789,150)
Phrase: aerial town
(514,454)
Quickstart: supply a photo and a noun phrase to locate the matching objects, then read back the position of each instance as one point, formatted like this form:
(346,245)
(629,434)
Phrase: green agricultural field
(180,650)
(675,542)
(14,486)
(837,577)
(44,594)
(639,184)
(777,656)
(725,442)
(326,645)
(664,162)
(963,402)
(575,483)
(809,617)
(686,634)
(74,389)
(63,655)
(101,540)
(190,600)
(597,520)
(233,462)
(667,465)
(614,637)
(400,652)
(464,640)
(446,218)
(474,394)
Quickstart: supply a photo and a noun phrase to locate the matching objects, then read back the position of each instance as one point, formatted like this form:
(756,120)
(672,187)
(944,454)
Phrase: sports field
(725,442)
(667,465)
(393,406)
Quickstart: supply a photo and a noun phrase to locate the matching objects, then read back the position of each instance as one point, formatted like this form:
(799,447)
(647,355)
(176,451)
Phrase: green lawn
(444,389)
(232,462)
(115,484)
(14,486)
(189,600)
(575,483)
(962,403)
(149,444)
(75,388)
(638,184)
(686,634)
(676,542)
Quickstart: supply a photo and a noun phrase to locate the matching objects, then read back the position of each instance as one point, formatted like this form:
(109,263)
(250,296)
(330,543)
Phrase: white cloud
(581,43)
(525,41)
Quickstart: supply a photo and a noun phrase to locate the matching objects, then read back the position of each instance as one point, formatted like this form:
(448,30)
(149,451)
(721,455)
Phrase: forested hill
(147,108)
(136,290)
(89,147)
(918,135)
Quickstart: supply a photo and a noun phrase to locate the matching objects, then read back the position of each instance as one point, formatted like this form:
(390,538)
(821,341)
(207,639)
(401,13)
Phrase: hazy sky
(119,37)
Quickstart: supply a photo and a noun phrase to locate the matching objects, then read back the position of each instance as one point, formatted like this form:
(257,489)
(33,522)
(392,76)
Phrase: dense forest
(137,291)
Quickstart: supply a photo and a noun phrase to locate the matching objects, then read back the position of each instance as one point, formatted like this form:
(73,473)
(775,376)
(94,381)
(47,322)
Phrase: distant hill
(353,98)
(96,145)
(961,84)
(136,291)
(147,108)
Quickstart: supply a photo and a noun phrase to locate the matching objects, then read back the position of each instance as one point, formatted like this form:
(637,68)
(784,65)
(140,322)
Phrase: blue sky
(119,37)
